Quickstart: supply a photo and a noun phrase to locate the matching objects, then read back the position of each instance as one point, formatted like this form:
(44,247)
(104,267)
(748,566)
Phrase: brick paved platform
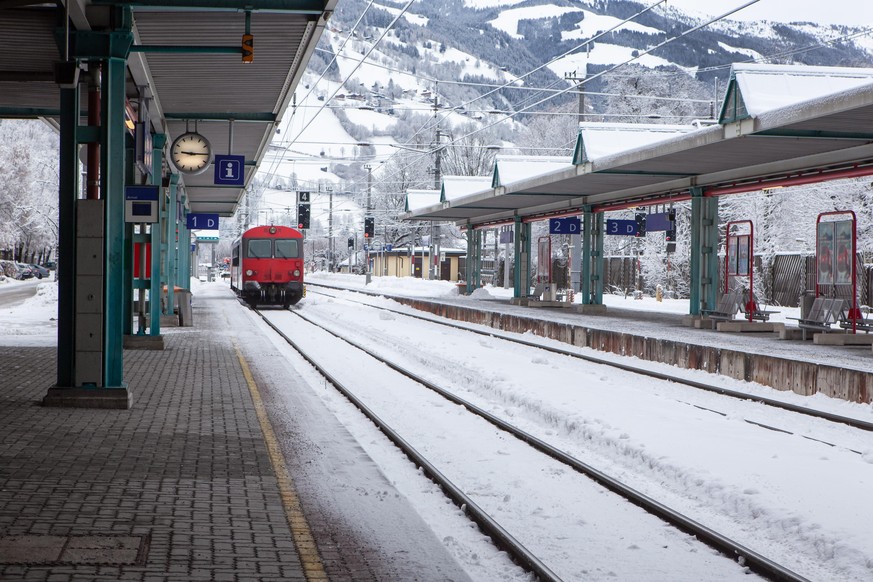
(182,486)
(179,488)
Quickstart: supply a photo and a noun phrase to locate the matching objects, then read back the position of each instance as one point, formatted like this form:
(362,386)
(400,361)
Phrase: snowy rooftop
(509,169)
(597,140)
(417,199)
(768,87)
(455,187)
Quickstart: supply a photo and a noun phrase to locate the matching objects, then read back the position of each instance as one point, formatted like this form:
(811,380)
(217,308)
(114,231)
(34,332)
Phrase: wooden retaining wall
(782,374)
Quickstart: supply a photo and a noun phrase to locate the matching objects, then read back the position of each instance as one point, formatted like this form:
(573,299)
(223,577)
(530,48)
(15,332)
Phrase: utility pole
(437,184)
(366,214)
(330,231)
(576,239)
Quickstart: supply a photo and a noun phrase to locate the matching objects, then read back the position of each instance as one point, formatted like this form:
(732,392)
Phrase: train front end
(267,266)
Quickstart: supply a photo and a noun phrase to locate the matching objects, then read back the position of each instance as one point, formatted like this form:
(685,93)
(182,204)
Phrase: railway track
(811,412)
(502,537)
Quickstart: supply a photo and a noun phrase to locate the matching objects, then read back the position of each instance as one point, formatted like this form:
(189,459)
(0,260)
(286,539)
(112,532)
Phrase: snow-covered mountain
(384,80)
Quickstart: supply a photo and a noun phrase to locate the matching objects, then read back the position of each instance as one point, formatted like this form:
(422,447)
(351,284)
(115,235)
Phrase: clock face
(191,153)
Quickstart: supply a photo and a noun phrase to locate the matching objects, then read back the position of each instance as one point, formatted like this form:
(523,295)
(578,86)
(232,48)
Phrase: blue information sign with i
(230,170)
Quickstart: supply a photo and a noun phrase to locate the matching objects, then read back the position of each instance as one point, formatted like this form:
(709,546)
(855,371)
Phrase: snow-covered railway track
(622,365)
(351,388)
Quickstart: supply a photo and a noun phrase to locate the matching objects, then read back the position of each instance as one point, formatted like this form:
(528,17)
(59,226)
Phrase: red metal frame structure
(854,312)
(540,259)
(751,306)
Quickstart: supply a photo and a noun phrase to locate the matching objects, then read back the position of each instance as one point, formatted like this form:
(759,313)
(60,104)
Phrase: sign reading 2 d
(230,170)
(568,225)
(621,227)
(202,221)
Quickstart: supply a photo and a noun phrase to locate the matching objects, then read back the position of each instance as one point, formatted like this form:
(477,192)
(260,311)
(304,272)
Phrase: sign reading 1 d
(202,222)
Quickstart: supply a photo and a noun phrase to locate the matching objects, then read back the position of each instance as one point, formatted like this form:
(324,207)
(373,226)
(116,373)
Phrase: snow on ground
(33,321)
(509,19)
(802,488)
(594,24)
(604,54)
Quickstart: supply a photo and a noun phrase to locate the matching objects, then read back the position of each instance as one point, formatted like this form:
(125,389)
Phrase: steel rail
(502,538)
(730,548)
(853,422)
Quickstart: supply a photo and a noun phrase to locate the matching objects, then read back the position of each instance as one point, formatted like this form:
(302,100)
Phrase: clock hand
(194,153)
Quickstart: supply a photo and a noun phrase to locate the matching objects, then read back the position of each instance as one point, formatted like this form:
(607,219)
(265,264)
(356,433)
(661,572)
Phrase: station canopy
(779,125)
(186,59)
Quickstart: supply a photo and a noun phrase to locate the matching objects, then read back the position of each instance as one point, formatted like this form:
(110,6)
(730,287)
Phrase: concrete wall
(782,374)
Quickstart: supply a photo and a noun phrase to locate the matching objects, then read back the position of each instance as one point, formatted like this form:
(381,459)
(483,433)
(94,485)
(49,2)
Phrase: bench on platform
(822,315)
(756,314)
(728,306)
(862,321)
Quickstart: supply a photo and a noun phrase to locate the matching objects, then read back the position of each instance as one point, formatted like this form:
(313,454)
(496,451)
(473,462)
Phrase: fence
(788,277)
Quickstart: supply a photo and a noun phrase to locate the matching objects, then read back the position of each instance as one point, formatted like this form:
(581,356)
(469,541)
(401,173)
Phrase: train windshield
(287,249)
(260,248)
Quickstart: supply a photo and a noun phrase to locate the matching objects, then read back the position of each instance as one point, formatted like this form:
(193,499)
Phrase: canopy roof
(183,55)
(814,137)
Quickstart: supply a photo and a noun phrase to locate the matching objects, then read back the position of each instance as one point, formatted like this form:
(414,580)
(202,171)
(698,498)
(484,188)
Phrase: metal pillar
(158,142)
(91,283)
(704,251)
(66,268)
(521,283)
(130,177)
(592,258)
(112,173)
(172,266)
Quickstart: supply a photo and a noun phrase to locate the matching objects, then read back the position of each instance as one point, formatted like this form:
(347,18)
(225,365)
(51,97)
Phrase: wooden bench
(822,315)
(728,306)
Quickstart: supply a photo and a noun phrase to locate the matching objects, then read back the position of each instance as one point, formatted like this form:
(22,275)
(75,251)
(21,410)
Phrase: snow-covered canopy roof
(756,89)
(418,199)
(597,140)
(509,169)
(454,187)
(815,137)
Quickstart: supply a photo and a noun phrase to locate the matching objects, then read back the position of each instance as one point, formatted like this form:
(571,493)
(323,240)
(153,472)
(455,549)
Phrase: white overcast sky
(853,12)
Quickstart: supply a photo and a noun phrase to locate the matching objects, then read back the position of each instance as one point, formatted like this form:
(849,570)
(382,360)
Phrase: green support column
(471,252)
(66,269)
(171,275)
(129,178)
(592,257)
(704,252)
(158,142)
(521,280)
(112,154)
(597,259)
(477,259)
(184,252)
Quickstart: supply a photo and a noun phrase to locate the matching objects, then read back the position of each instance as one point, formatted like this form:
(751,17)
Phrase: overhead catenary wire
(613,68)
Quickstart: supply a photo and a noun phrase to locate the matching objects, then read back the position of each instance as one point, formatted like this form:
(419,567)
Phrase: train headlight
(249,272)
(296,272)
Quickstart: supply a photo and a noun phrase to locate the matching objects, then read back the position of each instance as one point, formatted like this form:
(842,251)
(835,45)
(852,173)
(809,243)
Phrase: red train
(266,266)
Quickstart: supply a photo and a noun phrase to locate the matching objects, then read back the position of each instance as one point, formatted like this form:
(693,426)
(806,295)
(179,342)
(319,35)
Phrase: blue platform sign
(141,193)
(202,221)
(230,170)
(567,225)
(658,222)
(621,227)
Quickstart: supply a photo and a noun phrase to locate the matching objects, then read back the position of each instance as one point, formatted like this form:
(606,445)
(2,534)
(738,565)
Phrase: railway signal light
(641,224)
(369,227)
(303,216)
(351,242)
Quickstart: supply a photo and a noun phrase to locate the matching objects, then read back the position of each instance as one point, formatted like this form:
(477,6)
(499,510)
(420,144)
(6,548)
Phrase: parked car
(25,271)
(40,272)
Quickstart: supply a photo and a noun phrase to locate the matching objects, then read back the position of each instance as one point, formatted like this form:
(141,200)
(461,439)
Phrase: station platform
(222,470)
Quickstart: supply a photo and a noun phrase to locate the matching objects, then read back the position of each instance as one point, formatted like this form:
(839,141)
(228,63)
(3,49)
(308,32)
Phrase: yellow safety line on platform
(313,569)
